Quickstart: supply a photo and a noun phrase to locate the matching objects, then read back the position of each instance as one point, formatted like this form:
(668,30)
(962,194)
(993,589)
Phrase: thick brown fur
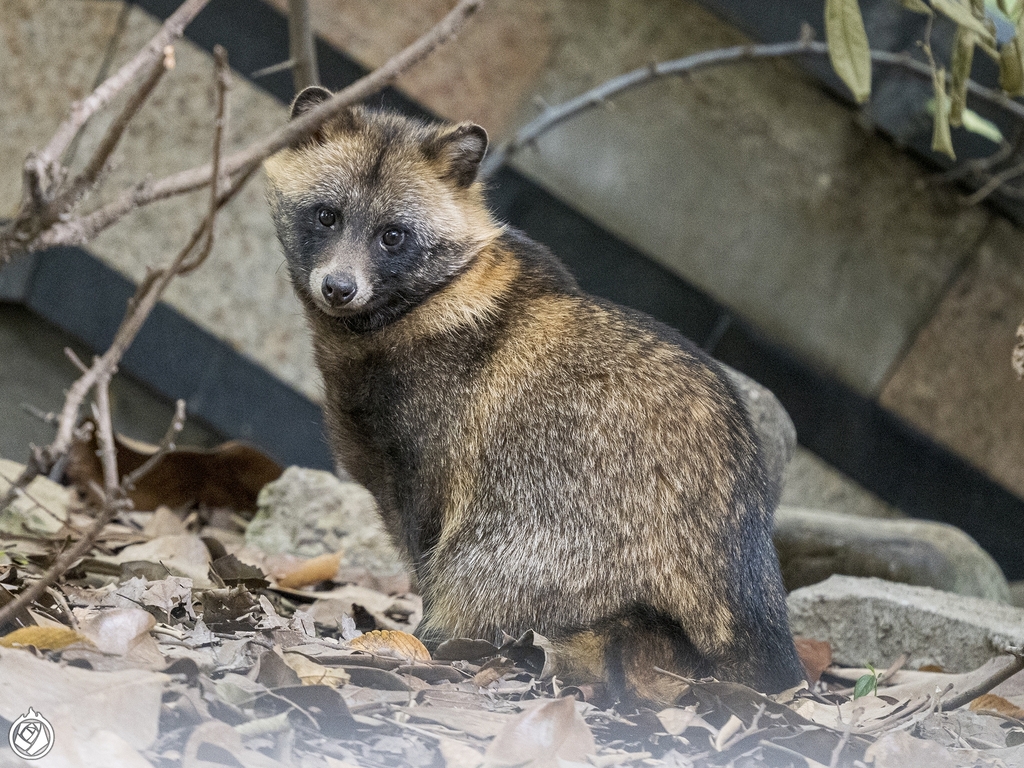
(547,460)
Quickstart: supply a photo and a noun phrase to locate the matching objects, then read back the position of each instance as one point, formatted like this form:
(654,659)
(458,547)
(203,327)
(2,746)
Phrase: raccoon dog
(546,459)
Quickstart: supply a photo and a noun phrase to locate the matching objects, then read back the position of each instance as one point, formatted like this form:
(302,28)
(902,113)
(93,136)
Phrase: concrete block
(814,544)
(874,621)
(752,184)
(307,512)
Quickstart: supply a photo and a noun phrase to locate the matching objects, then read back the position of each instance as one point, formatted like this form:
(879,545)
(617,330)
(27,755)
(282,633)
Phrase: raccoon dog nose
(338,290)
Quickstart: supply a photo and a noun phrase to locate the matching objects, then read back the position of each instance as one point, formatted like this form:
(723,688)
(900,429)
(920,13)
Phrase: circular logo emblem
(31,735)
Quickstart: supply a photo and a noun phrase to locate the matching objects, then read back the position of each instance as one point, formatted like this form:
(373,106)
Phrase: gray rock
(814,545)
(308,512)
(874,621)
(771,422)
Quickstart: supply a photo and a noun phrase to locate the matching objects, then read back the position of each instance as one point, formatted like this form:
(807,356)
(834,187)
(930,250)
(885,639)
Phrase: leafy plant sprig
(976,26)
(866,684)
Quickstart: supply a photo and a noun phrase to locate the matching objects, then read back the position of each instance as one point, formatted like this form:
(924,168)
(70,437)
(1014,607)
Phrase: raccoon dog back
(546,459)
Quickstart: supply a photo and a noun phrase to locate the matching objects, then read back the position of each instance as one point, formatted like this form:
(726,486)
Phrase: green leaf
(975,123)
(917,6)
(1011,68)
(941,139)
(1009,8)
(866,684)
(960,73)
(848,46)
(962,15)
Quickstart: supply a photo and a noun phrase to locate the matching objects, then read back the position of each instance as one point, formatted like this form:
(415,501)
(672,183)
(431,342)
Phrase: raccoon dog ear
(309,98)
(460,150)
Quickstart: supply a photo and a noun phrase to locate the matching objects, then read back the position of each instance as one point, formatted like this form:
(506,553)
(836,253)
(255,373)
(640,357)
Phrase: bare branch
(61,564)
(80,231)
(996,181)
(223,85)
(140,306)
(87,178)
(166,446)
(75,360)
(302,45)
(556,115)
(82,110)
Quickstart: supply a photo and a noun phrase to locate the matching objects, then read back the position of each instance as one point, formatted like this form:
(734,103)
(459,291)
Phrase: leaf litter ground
(175,644)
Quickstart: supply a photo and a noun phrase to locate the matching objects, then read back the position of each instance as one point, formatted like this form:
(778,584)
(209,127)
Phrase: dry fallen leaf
(675,720)
(40,510)
(80,702)
(182,555)
(120,630)
(901,750)
(230,475)
(312,571)
(989,702)
(475,721)
(400,613)
(43,638)
(455,753)
(225,739)
(542,736)
(387,642)
(311,673)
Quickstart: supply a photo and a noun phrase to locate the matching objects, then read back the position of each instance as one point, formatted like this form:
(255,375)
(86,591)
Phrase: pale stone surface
(955,383)
(44,66)
(815,544)
(810,482)
(874,621)
(308,512)
(1017,593)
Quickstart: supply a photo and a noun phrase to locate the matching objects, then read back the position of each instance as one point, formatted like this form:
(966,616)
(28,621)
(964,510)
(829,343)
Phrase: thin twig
(88,177)
(553,116)
(105,435)
(140,306)
(844,740)
(75,359)
(102,74)
(166,445)
(80,230)
(302,45)
(47,416)
(970,694)
(61,564)
(223,85)
(82,110)
(995,182)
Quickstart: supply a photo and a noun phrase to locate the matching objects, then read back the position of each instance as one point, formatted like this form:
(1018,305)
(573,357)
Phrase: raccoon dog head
(377,211)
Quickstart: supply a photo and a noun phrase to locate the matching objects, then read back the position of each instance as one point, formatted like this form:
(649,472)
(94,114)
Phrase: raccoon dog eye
(393,237)
(327,217)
